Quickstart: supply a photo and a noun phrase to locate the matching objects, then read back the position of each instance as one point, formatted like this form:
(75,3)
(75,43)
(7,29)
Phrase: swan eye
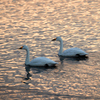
(21,47)
(54,39)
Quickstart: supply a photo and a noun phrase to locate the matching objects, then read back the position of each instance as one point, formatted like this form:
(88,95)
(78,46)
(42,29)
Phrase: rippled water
(35,23)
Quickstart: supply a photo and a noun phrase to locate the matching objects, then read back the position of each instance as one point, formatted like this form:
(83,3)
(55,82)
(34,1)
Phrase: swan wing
(73,52)
(42,61)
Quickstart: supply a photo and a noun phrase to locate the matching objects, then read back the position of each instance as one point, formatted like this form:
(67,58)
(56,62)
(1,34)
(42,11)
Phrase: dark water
(35,23)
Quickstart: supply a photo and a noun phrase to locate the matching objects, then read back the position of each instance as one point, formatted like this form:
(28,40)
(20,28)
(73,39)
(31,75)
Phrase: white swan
(69,52)
(40,61)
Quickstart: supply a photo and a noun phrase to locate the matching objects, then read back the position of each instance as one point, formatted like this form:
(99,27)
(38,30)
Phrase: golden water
(35,23)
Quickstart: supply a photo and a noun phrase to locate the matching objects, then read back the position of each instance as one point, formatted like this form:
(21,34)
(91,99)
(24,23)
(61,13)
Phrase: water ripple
(35,24)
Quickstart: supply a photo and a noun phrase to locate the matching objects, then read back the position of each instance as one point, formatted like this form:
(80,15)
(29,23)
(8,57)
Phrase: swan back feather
(42,61)
(74,52)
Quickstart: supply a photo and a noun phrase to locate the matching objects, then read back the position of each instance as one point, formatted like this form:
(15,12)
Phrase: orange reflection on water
(35,23)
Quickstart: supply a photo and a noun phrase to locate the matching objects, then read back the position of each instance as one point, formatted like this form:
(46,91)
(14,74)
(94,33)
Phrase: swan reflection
(35,70)
(78,58)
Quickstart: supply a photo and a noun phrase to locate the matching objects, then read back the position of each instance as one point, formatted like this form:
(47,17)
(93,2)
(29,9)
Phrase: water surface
(35,23)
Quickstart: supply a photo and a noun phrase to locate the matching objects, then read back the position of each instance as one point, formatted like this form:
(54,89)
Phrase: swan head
(57,39)
(24,47)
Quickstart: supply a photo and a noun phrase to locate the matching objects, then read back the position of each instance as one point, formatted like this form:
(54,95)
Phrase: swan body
(74,52)
(39,61)
(42,61)
(69,52)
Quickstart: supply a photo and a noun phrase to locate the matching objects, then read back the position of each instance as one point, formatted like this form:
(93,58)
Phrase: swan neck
(61,47)
(27,57)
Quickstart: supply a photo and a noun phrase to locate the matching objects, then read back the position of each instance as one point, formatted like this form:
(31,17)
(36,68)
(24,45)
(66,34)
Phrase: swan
(39,61)
(72,52)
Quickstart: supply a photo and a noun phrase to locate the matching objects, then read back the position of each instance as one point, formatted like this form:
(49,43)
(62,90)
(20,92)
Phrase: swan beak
(54,39)
(20,47)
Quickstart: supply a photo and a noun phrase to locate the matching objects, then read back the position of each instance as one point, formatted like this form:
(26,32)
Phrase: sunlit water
(35,23)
